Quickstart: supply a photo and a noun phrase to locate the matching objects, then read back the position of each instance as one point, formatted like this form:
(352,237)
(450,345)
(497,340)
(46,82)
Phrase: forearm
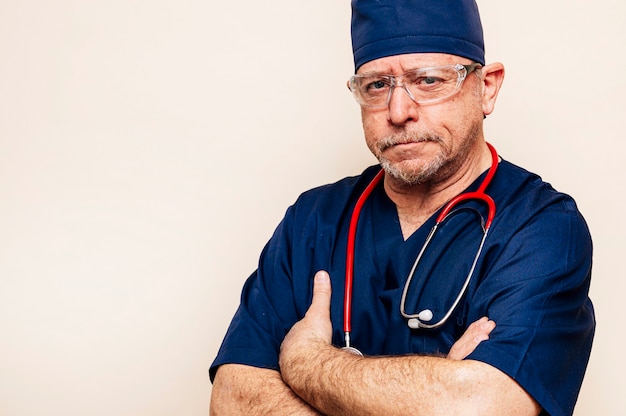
(243,390)
(339,383)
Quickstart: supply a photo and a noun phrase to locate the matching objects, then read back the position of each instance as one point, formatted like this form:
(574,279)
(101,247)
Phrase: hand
(315,329)
(476,333)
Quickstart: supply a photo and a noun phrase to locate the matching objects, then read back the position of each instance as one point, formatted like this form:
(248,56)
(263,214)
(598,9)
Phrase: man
(519,338)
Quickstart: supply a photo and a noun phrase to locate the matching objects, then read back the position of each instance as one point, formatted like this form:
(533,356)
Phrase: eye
(428,81)
(376,85)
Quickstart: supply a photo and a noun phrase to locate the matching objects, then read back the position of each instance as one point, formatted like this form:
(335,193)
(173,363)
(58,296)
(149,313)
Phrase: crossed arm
(319,379)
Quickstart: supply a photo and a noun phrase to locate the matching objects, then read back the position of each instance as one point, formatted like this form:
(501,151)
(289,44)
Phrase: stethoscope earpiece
(424,316)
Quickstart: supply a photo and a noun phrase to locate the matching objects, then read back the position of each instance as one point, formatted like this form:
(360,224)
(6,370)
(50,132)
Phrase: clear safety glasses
(423,85)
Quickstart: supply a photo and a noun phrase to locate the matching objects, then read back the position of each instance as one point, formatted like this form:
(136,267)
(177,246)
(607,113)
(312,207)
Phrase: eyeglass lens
(423,85)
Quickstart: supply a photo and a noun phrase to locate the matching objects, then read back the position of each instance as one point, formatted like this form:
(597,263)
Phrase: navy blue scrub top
(532,279)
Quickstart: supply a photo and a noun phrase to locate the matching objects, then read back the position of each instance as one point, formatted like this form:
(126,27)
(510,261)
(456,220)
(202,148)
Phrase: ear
(492,78)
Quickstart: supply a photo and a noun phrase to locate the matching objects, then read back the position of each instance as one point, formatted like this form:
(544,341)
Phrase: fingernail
(322,277)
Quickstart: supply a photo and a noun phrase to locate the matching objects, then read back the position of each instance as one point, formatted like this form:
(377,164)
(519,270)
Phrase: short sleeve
(267,308)
(537,293)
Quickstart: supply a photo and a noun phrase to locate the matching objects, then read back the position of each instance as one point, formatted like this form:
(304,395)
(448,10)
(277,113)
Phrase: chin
(412,172)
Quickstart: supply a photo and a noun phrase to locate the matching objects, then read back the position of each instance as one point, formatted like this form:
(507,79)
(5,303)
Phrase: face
(421,143)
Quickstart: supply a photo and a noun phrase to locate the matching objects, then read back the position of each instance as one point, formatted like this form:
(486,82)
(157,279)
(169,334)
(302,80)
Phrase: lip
(413,150)
(404,145)
(410,143)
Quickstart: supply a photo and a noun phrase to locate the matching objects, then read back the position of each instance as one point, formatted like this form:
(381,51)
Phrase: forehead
(398,64)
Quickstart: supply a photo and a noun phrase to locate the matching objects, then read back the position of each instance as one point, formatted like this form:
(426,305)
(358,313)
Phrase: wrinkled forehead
(398,64)
(385,28)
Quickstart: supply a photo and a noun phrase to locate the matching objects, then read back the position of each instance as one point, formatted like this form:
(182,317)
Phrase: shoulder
(525,196)
(331,198)
(539,227)
(321,210)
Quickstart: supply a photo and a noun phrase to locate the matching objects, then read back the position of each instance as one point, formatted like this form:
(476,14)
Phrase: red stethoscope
(418,320)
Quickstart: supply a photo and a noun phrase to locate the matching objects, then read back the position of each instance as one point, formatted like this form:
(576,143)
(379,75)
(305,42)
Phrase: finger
(477,332)
(485,326)
(321,295)
(480,329)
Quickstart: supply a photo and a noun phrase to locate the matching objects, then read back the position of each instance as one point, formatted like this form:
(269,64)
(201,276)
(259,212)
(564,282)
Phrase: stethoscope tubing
(417,321)
(347,299)
(414,319)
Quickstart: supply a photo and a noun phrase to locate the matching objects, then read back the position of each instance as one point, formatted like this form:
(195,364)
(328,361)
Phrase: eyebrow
(386,74)
(469,67)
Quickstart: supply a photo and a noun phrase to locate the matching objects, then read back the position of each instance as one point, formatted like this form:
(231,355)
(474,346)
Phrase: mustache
(406,138)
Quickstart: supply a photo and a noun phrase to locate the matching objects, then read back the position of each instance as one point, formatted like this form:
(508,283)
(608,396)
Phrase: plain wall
(149,148)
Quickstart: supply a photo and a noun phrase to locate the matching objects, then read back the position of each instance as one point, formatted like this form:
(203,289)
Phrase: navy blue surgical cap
(383,28)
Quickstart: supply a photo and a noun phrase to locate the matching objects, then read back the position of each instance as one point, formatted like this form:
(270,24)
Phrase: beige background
(149,148)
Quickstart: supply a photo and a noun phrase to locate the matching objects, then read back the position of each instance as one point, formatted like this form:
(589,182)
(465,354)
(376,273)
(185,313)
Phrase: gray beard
(411,176)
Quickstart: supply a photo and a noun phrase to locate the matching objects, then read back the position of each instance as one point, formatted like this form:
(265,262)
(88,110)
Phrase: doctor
(424,90)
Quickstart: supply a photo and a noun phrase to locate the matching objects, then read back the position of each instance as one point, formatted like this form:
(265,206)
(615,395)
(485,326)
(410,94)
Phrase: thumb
(320,305)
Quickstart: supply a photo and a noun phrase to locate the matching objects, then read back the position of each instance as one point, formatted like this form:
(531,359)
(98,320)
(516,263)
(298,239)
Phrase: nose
(402,108)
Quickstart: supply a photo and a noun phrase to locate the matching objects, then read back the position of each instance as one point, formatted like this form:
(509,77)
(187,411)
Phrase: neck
(417,203)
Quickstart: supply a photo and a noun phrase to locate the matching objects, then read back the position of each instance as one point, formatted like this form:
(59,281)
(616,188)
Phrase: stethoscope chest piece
(352,351)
